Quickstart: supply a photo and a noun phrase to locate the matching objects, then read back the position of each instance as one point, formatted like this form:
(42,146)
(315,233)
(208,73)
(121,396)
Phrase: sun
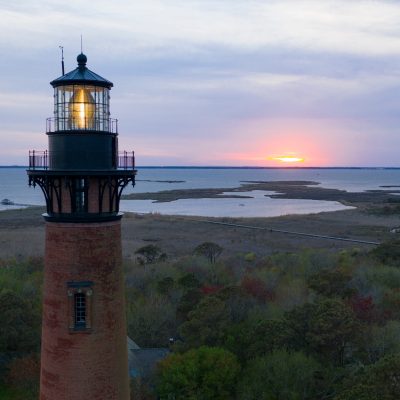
(288,159)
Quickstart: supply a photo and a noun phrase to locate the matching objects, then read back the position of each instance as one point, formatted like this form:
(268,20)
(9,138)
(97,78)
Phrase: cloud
(356,27)
(193,78)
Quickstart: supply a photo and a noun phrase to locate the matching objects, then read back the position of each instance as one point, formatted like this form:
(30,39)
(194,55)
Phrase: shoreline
(295,190)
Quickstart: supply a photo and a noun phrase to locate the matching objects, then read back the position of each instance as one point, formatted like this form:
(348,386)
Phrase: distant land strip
(306,190)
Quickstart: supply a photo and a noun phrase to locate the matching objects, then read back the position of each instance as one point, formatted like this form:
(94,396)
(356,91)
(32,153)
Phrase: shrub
(279,375)
(330,282)
(206,373)
(379,381)
(388,253)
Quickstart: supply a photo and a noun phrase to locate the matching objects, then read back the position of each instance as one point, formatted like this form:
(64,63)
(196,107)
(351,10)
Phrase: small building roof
(143,362)
(81,76)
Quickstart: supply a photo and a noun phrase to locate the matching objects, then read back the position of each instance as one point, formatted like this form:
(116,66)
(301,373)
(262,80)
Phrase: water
(257,206)
(13,186)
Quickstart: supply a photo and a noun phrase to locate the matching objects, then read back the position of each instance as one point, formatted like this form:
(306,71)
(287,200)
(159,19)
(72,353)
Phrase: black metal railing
(107,125)
(40,160)
(126,160)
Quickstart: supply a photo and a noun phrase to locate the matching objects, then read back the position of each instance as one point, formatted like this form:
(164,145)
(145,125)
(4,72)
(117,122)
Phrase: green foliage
(211,251)
(331,282)
(281,375)
(332,329)
(237,302)
(189,281)
(206,323)
(290,293)
(187,303)
(165,285)
(255,338)
(379,381)
(250,257)
(385,276)
(380,341)
(205,373)
(20,315)
(151,322)
(388,253)
(297,325)
(313,303)
(20,330)
(326,327)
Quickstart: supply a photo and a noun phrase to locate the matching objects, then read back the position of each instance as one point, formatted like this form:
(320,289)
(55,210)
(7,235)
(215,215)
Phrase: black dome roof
(81,76)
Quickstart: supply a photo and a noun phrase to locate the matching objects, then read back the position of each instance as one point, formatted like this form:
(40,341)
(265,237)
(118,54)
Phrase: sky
(221,82)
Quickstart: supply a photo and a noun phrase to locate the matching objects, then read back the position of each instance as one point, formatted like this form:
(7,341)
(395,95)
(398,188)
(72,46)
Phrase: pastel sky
(214,82)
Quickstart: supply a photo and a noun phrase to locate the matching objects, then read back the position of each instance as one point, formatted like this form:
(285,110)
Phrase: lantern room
(81,101)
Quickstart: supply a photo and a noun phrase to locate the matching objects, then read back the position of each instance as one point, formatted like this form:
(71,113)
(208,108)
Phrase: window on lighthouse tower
(80,310)
(80,306)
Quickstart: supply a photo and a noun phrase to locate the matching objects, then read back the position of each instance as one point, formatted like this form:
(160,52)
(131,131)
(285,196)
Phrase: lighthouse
(82,175)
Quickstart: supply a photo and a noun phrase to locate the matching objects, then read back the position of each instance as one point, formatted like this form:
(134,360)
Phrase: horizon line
(235,167)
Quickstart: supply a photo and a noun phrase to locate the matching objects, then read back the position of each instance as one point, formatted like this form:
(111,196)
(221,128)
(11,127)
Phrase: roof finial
(82,59)
(81,44)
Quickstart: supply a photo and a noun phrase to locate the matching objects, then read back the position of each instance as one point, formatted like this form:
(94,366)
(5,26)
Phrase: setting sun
(288,159)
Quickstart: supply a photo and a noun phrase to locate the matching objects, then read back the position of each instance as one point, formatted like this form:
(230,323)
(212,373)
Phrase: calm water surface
(14,186)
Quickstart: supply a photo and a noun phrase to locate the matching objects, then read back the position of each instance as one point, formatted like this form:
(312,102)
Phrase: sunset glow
(288,159)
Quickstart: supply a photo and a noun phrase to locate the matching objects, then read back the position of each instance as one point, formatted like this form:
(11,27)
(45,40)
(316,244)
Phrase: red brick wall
(78,365)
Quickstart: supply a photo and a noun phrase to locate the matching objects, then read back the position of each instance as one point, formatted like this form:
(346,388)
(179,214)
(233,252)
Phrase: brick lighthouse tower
(82,175)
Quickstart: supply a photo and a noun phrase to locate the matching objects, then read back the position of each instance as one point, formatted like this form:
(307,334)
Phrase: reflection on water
(258,206)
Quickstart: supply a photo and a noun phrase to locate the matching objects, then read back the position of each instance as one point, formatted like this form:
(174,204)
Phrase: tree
(326,327)
(206,324)
(388,252)
(206,373)
(237,302)
(150,254)
(379,381)
(256,288)
(151,321)
(187,303)
(20,324)
(332,328)
(255,338)
(165,285)
(297,326)
(331,282)
(209,250)
(189,281)
(281,375)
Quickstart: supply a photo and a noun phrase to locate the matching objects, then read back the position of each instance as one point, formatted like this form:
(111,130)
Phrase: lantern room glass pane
(82,107)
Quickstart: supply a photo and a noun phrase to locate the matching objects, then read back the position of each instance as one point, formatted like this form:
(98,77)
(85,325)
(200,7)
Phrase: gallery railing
(40,160)
(106,125)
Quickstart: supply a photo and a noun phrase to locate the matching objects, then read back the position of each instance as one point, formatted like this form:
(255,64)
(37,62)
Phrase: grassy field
(22,232)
